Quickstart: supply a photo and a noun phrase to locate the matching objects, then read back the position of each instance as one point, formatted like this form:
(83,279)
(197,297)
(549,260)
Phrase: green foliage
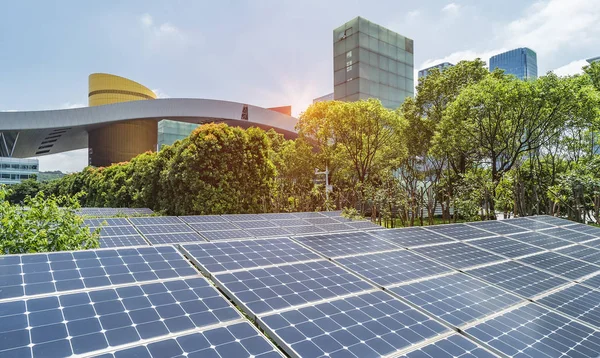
(43,224)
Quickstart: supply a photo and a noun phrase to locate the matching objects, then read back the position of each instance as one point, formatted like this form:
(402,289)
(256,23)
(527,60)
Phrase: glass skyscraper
(441,66)
(371,61)
(521,62)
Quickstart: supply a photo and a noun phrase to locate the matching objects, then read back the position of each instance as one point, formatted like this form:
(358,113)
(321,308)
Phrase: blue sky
(266,53)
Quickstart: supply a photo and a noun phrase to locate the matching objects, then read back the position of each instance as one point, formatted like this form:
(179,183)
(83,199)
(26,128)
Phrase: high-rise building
(15,170)
(371,61)
(327,97)
(593,59)
(521,62)
(441,66)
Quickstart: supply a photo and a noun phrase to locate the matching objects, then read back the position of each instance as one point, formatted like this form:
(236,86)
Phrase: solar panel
(64,271)
(290,222)
(459,231)
(458,255)
(279,216)
(568,235)
(457,298)
(331,213)
(306,215)
(84,322)
(265,290)
(108,231)
(593,282)
(155,220)
(518,278)
(233,340)
(577,301)
(506,247)
(164,229)
(158,239)
(122,241)
(552,220)
(363,225)
(268,232)
(346,244)
(195,219)
(242,217)
(587,229)
(583,253)
(561,265)
(455,346)
(392,267)
(217,257)
(335,227)
(256,224)
(594,243)
(106,222)
(411,237)
(225,235)
(321,221)
(497,227)
(368,325)
(541,240)
(217,226)
(534,331)
(303,230)
(528,224)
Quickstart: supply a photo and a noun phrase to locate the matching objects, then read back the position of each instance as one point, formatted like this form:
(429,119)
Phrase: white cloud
(160,94)
(451,8)
(69,105)
(456,57)
(160,35)
(572,68)
(9,110)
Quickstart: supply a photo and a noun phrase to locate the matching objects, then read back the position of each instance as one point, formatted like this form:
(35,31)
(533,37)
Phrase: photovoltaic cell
(497,227)
(242,217)
(338,245)
(65,271)
(457,298)
(455,346)
(291,222)
(459,231)
(331,213)
(568,235)
(587,229)
(321,221)
(363,225)
(393,267)
(195,219)
(84,322)
(233,340)
(458,255)
(528,224)
(182,237)
(518,278)
(226,235)
(155,220)
(121,241)
(368,325)
(561,265)
(202,227)
(108,231)
(268,232)
(552,220)
(256,224)
(344,219)
(336,227)
(593,282)
(233,255)
(303,230)
(279,216)
(577,301)
(106,222)
(411,237)
(274,288)
(534,331)
(506,247)
(164,229)
(544,241)
(593,243)
(307,215)
(583,253)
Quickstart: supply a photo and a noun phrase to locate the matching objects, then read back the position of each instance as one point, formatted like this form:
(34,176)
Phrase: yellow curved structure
(121,141)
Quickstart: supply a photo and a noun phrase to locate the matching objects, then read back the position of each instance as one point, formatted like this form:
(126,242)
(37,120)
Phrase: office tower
(521,62)
(441,66)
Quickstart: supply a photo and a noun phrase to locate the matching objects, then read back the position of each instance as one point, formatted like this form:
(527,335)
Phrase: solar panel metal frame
(455,346)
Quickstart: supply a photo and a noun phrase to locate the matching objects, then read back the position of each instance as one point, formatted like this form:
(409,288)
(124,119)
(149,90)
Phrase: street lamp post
(328,187)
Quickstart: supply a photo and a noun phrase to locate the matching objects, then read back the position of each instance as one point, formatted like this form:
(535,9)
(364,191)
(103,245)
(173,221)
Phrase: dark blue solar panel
(363,225)
(121,241)
(242,217)
(352,243)
(538,239)
(255,224)
(368,325)
(321,221)
(528,224)
(164,229)
(582,253)
(561,265)
(593,282)
(568,235)
(506,247)
(108,231)
(275,288)
(551,220)
(459,231)
(202,227)
(290,222)
(411,237)
(497,227)
(457,298)
(459,255)
(303,230)
(455,346)
(393,267)
(226,235)
(518,278)
(268,232)
(202,219)
(279,216)
(84,322)
(155,220)
(336,227)
(534,331)
(306,215)
(587,229)
(234,340)
(234,255)
(106,222)
(158,239)
(65,271)
(577,301)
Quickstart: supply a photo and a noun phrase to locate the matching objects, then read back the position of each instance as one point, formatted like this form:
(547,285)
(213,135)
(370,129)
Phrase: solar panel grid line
(474,258)
(336,245)
(569,235)
(497,227)
(175,238)
(421,279)
(411,238)
(591,268)
(155,220)
(420,345)
(578,302)
(124,241)
(474,323)
(456,345)
(448,235)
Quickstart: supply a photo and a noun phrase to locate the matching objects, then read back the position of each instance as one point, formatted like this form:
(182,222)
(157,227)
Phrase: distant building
(14,170)
(521,62)
(442,66)
(327,97)
(371,61)
(594,59)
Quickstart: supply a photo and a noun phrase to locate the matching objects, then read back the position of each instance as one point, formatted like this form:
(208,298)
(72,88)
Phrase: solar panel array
(526,287)
(102,212)
(116,232)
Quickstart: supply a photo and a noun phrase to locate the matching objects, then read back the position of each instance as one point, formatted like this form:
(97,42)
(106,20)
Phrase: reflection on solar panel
(85,322)
(269,289)
(268,232)
(346,244)
(455,346)
(552,220)
(518,278)
(321,221)
(577,301)
(392,267)
(583,253)
(528,224)
(64,271)
(506,247)
(569,235)
(335,227)
(121,241)
(225,235)
(202,227)
(217,257)
(534,331)
(459,255)
(175,238)
(368,325)
(411,237)
(456,298)
(193,219)
(560,265)
(497,227)
(233,340)
(164,229)
(459,231)
(541,240)
(302,230)
(155,220)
